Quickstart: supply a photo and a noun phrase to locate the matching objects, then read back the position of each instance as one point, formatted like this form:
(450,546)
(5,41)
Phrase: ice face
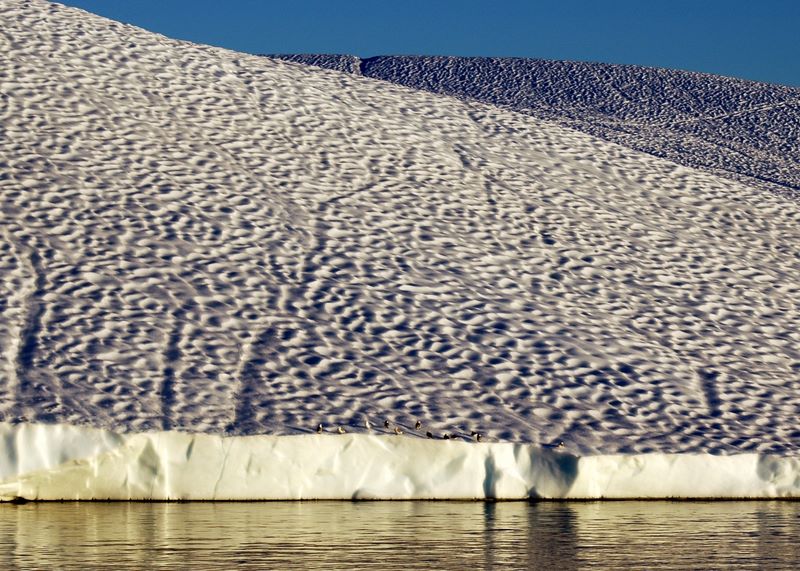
(182,466)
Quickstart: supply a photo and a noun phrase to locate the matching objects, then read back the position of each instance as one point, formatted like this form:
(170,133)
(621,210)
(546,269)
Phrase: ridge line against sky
(738,38)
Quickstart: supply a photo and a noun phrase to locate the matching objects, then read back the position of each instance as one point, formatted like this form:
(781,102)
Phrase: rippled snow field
(203,240)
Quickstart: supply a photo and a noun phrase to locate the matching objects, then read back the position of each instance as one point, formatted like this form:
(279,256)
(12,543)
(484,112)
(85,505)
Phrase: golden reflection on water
(401,535)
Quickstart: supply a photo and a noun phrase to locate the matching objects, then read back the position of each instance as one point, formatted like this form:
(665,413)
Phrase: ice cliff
(53,462)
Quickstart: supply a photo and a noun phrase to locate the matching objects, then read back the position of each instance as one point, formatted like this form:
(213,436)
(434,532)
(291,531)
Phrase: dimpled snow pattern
(197,239)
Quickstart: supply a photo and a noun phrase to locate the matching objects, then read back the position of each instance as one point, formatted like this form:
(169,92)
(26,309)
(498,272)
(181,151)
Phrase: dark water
(401,535)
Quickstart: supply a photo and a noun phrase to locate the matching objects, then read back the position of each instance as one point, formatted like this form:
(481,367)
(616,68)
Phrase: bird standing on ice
(397,430)
(341,430)
(319,428)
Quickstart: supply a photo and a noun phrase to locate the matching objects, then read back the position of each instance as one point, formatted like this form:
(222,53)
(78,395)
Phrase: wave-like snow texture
(742,129)
(196,239)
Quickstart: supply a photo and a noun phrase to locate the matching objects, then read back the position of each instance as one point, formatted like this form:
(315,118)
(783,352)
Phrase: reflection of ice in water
(401,535)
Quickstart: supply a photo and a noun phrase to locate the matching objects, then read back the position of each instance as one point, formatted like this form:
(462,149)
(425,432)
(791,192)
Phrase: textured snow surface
(56,462)
(200,240)
(742,129)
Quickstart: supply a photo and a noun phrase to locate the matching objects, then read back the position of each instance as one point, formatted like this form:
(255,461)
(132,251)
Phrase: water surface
(401,535)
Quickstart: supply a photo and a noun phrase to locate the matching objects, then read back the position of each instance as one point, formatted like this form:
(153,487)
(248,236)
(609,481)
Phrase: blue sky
(753,39)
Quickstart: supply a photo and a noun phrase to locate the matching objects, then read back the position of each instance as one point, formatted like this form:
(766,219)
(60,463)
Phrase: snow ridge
(741,129)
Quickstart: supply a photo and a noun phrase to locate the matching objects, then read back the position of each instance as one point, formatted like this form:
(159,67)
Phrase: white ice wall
(54,462)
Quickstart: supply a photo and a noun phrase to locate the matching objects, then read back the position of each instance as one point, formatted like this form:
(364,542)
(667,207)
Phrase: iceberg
(206,254)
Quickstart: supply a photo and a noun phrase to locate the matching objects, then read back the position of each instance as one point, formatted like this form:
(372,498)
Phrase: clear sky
(752,39)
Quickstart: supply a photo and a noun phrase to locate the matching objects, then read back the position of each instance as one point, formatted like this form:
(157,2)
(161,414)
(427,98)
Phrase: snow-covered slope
(740,129)
(200,240)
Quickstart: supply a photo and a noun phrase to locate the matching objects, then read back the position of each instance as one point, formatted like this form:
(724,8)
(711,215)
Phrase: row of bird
(477,436)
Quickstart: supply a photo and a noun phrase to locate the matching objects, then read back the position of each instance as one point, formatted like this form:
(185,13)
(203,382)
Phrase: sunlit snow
(199,244)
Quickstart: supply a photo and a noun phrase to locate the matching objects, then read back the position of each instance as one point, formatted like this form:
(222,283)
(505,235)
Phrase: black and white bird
(397,430)
(429,434)
(386,424)
(560,444)
(341,430)
(319,428)
(418,425)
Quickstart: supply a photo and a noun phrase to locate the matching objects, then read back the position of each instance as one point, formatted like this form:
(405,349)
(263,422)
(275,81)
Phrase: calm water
(401,535)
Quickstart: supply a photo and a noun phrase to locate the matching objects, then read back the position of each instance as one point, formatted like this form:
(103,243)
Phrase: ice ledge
(59,462)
